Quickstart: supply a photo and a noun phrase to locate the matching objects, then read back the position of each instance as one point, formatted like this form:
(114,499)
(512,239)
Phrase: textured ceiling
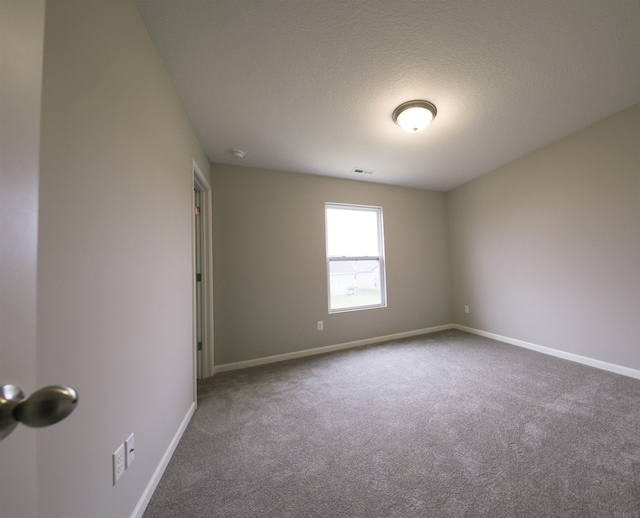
(309,86)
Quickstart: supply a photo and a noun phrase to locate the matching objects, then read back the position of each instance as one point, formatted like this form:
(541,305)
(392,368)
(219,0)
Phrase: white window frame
(379,257)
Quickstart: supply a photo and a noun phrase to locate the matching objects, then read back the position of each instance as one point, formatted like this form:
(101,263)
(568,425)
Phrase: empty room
(304,258)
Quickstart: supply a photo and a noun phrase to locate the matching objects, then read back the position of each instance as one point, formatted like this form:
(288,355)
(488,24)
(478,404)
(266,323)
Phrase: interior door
(198,283)
(203,287)
(21,50)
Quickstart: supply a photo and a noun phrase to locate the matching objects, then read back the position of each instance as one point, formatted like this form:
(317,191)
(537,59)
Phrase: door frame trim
(203,368)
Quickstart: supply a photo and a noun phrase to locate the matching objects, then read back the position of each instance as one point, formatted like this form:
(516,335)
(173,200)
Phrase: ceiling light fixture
(414,116)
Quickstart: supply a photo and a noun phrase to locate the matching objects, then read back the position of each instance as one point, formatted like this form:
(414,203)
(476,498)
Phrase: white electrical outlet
(118,463)
(466,309)
(320,325)
(129,451)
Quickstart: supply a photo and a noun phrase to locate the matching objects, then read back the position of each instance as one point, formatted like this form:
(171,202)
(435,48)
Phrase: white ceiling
(309,86)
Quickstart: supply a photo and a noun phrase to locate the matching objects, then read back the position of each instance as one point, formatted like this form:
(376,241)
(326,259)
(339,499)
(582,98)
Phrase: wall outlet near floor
(466,309)
(320,325)
(118,463)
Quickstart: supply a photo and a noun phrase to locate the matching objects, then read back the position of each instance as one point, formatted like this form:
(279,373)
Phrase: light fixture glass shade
(414,116)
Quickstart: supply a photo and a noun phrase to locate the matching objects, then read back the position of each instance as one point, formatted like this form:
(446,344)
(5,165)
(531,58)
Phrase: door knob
(44,407)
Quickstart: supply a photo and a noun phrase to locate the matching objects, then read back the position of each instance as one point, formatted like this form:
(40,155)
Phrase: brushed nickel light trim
(414,116)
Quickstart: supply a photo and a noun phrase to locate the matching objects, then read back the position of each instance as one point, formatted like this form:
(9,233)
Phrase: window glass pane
(354,284)
(355,257)
(352,232)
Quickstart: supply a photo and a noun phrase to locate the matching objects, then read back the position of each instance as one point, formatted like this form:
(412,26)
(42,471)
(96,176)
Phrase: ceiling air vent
(362,171)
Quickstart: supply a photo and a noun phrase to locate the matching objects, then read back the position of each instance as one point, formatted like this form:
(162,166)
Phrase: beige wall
(114,266)
(547,248)
(270,275)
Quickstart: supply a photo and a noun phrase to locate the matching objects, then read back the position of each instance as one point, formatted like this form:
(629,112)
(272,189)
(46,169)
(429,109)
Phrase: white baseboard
(326,349)
(611,367)
(157,474)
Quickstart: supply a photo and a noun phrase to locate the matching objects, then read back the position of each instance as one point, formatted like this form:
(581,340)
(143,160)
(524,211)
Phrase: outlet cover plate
(118,463)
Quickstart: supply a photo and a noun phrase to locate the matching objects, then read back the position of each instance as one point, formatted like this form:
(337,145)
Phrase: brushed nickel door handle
(44,407)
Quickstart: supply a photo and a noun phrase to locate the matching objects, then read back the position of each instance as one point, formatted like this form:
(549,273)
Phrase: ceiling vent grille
(362,171)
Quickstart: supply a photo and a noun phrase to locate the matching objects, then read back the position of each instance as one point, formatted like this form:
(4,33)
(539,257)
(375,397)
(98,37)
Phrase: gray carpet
(442,425)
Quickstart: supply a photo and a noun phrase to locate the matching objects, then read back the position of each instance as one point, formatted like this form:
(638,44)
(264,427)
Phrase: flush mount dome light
(414,116)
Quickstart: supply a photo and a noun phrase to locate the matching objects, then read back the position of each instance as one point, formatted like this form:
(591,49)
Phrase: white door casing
(203,259)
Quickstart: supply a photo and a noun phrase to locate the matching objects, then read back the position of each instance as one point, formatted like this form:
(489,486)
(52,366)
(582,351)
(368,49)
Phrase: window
(355,257)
